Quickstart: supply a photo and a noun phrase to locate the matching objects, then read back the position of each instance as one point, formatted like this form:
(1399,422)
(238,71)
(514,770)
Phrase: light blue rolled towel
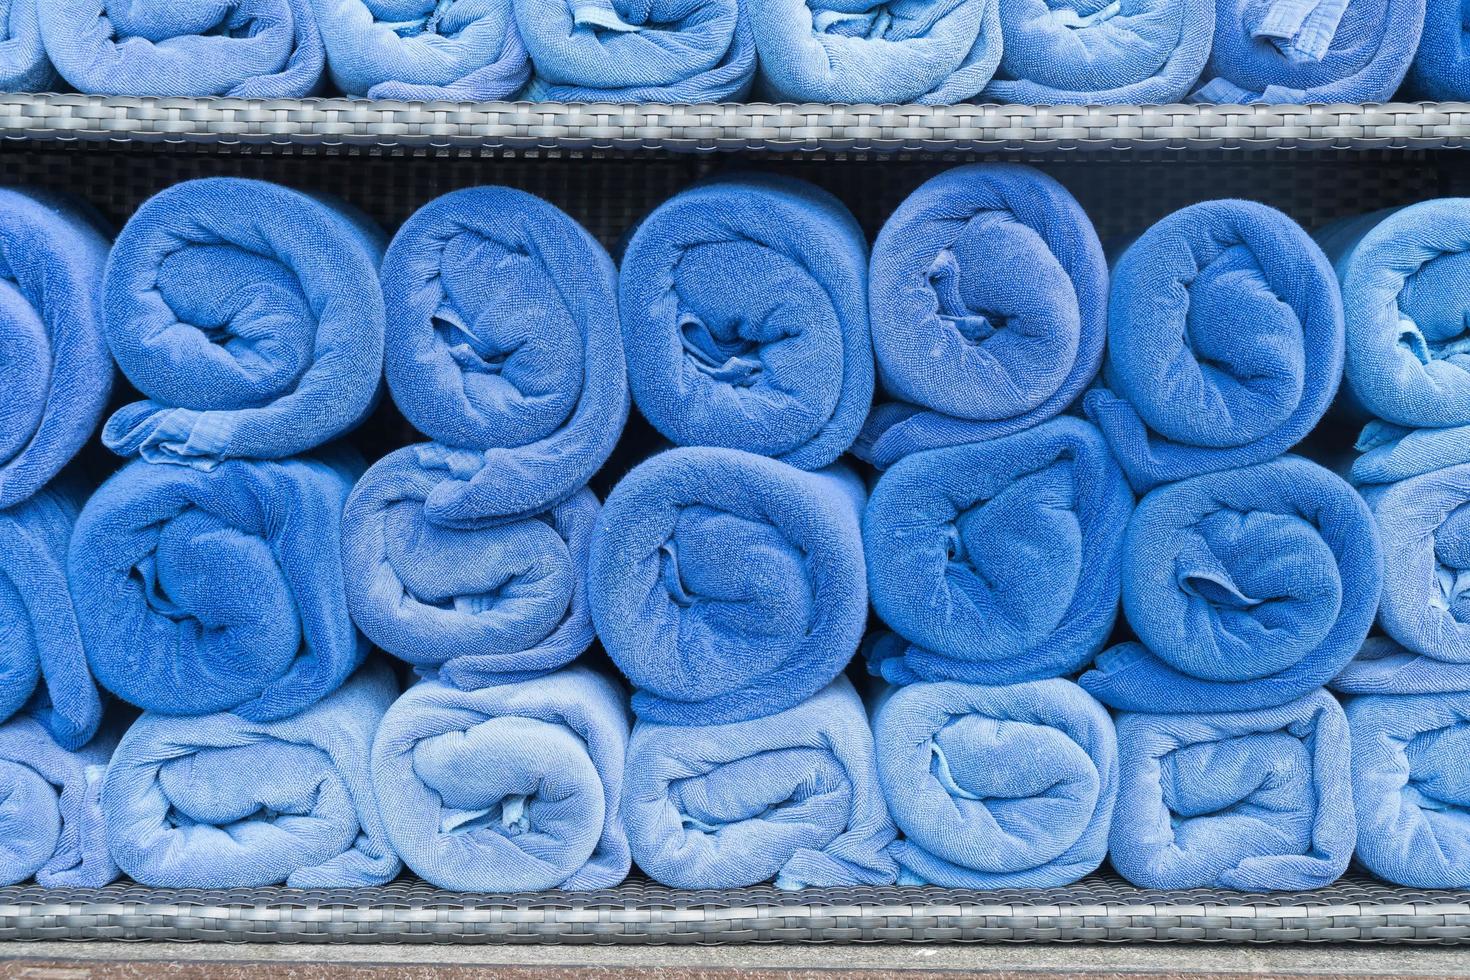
(423,50)
(250,317)
(55,370)
(1125,52)
(792,797)
(932,53)
(998,561)
(1441,68)
(24,66)
(997,787)
(510,788)
(51,824)
(679,51)
(745,319)
(1250,800)
(245,49)
(221,802)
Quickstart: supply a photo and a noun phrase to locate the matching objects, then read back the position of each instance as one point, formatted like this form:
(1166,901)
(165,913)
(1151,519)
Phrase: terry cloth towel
(428,50)
(472,603)
(1441,68)
(792,797)
(24,66)
(868,51)
(1252,800)
(1127,52)
(1406,286)
(1225,343)
(975,353)
(504,339)
(201,591)
(998,561)
(51,821)
(745,320)
(508,788)
(1297,52)
(997,787)
(728,586)
(1247,588)
(41,649)
(222,802)
(248,49)
(678,51)
(251,318)
(55,371)
(1412,787)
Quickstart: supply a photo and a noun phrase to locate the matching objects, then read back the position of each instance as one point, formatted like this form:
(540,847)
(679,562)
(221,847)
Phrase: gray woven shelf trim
(1101,908)
(530,126)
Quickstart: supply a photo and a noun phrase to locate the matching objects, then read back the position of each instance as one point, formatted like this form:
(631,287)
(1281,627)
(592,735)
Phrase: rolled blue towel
(1405,276)
(1297,52)
(867,51)
(999,561)
(24,66)
(1247,588)
(474,603)
(997,787)
(1411,788)
(427,50)
(41,650)
(503,338)
(222,802)
(250,317)
(1250,800)
(728,586)
(202,591)
(792,797)
(971,353)
(251,49)
(52,824)
(55,371)
(509,788)
(1441,68)
(637,50)
(745,319)
(1225,343)
(1130,52)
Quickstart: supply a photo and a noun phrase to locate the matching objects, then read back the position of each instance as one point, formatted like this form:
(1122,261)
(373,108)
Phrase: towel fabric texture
(24,66)
(1441,68)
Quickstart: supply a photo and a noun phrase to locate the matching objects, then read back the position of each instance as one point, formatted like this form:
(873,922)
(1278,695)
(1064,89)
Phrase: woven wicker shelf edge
(514,127)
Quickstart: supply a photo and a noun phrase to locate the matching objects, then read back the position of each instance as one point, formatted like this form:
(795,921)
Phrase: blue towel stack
(1441,68)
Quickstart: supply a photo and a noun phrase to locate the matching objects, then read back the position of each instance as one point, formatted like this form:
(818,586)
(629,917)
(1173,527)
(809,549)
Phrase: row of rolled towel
(1024,51)
(730,583)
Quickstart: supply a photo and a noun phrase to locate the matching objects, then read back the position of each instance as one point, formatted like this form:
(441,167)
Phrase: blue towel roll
(423,49)
(1225,343)
(473,604)
(1247,588)
(1297,52)
(509,788)
(1441,68)
(221,802)
(249,315)
(1411,788)
(866,51)
(41,650)
(202,591)
(695,51)
(24,66)
(55,371)
(745,319)
(1250,800)
(257,49)
(793,797)
(997,787)
(728,586)
(52,824)
(973,353)
(998,561)
(1130,52)
(504,339)
(1405,278)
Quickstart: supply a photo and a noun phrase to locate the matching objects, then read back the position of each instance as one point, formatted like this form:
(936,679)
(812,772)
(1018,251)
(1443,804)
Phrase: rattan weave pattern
(530,126)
